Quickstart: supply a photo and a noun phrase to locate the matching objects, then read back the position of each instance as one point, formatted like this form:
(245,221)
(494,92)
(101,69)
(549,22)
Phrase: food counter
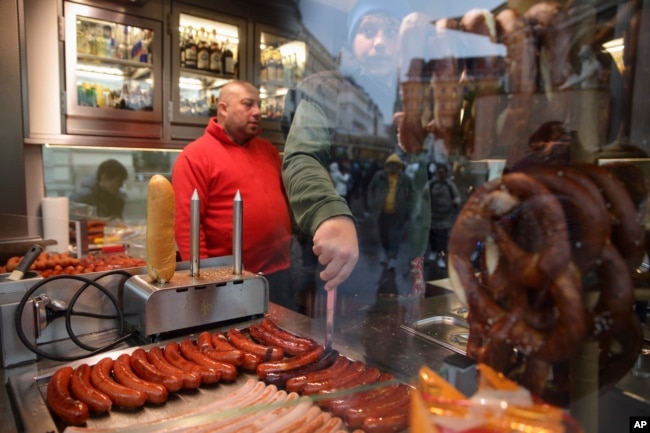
(376,336)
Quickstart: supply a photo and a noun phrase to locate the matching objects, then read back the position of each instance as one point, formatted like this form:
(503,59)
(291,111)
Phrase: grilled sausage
(242,342)
(191,380)
(156,393)
(120,395)
(84,391)
(61,403)
(227,371)
(172,353)
(305,358)
(149,372)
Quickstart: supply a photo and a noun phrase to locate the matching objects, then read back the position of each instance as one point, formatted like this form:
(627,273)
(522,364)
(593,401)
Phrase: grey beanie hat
(397,8)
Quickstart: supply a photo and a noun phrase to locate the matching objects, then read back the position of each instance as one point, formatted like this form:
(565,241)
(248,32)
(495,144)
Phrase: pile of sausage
(48,264)
(290,367)
(559,245)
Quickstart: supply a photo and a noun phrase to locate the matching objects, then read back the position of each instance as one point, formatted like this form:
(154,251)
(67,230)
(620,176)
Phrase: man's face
(109,184)
(242,114)
(375,44)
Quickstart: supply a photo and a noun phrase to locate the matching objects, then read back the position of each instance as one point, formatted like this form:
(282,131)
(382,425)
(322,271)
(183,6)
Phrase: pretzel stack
(558,246)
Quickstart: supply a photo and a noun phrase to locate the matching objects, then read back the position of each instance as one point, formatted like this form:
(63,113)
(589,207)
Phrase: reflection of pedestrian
(103,189)
(445,201)
(390,196)
(340,178)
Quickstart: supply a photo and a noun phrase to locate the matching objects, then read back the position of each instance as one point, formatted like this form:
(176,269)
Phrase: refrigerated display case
(280,66)
(113,73)
(206,54)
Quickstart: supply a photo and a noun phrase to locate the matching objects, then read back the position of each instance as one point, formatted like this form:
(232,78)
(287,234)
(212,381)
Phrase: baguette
(161,247)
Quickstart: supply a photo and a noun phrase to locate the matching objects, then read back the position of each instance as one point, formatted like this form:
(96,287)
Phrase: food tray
(447,330)
(28,393)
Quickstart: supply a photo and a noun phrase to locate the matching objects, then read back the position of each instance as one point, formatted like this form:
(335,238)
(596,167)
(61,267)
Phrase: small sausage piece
(172,353)
(242,342)
(296,384)
(61,403)
(290,347)
(149,372)
(191,380)
(280,378)
(302,360)
(221,344)
(83,390)
(123,374)
(227,371)
(120,395)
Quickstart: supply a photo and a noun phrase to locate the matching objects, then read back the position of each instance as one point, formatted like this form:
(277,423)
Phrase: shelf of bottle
(91,58)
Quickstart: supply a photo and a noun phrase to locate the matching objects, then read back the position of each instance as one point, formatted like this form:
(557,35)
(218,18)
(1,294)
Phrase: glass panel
(209,58)
(282,65)
(114,65)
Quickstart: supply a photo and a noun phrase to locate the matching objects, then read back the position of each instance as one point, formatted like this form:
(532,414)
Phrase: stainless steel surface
(331,311)
(449,330)
(237,228)
(195,204)
(214,296)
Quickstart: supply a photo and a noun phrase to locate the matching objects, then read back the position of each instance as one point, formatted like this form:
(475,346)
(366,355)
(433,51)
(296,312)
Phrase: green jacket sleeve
(309,187)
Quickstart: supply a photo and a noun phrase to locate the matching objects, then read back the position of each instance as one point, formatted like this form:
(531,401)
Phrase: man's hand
(337,248)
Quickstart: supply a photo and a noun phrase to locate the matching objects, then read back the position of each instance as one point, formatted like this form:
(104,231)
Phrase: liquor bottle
(215,54)
(181,45)
(228,59)
(203,52)
(191,49)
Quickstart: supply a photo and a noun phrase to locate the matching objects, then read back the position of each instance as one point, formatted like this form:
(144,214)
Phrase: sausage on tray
(172,353)
(61,403)
(296,384)
(280,378)
(305,358)
(149,372)
(392,403)
(155,392)
(350,373)
(290,347)
(221,344)
(120,395)
(227,372)
(283,334)
(84,391)
(191,380)
(231,356)
(242,342)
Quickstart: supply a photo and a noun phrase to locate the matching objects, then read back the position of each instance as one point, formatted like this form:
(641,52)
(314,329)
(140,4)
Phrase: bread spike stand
(238,211)
(195,203)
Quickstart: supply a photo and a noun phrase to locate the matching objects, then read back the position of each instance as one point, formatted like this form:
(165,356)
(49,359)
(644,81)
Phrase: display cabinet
(206,54)
(280,64)
(113,69)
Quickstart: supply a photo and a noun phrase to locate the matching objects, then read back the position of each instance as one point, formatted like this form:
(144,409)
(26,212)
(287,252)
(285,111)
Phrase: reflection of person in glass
(103,189)
(366,78)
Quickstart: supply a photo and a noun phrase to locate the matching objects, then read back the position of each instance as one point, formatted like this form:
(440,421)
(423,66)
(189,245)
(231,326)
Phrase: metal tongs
(329,326)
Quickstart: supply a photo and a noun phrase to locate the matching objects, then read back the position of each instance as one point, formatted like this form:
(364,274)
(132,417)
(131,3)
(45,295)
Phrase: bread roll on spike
(161,247)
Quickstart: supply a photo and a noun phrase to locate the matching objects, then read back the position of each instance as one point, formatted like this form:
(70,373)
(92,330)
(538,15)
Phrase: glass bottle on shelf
(215,54)
(191,50)
(203,52)
(228,59)
(181,45)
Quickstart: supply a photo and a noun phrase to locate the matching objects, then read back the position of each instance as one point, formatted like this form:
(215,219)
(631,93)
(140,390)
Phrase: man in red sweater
(229,157)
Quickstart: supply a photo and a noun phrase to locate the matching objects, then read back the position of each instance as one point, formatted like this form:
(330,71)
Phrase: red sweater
(217,167)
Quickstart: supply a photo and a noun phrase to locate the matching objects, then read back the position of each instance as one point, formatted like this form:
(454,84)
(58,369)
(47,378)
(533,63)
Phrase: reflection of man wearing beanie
(395,8)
